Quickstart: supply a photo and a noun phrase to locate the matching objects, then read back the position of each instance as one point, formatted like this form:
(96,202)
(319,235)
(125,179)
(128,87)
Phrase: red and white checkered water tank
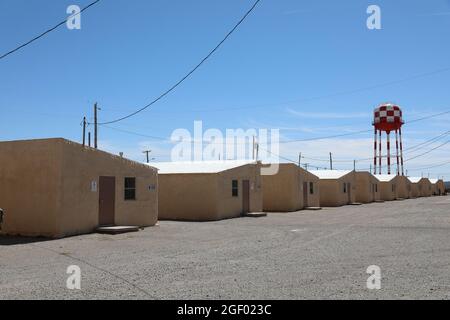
(388,117)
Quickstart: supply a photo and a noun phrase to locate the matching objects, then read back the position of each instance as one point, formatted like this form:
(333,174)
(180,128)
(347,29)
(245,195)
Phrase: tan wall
(427,189)
(81,166)
(208,196)
(332,191)
(187,197)
(50,189)
(440,186)
(415,192)
(404,188)
(367,187)
(314,198)
(231,207)
(283,192)
(30,187)
(386,191)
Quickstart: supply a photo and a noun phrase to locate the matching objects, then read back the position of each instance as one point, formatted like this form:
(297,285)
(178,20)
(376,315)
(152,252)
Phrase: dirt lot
(301,255)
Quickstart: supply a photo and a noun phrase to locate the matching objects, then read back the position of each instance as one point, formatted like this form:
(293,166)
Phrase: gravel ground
(300,255)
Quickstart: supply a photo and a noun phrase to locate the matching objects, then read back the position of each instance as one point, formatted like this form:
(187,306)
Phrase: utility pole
(354,165)
(89,138)
(299,159)
(306,166)
(147,152)
(95,126)
(84,131)
(253,149)
(257,151)
(331,161)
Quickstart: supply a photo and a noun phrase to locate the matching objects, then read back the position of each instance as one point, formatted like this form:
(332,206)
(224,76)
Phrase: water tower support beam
(396,151)
(375,153)
(379,152)
(388,152)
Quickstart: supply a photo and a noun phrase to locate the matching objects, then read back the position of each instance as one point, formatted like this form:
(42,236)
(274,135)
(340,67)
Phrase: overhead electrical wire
(165,93)
(47,31)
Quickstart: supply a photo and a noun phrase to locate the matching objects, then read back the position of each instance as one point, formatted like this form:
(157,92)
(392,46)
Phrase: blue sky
(293,65)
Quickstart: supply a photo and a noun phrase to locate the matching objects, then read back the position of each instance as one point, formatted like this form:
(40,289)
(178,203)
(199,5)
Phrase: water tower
(388,118)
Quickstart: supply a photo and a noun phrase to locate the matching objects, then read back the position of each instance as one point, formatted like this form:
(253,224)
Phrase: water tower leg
(396,151)
(379,152)
(401,150)
(388,152)
(375,153)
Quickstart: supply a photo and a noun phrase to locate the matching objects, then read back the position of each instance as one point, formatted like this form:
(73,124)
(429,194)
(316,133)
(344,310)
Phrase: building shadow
(16,240)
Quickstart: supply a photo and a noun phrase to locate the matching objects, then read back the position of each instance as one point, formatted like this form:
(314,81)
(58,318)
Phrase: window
(311,188)
(376,187)
(130,189)
(345,187)
(235,188)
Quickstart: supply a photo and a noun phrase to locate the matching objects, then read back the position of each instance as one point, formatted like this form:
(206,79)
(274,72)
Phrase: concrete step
(356,204)
(313,208)
(255,214)
(117,229)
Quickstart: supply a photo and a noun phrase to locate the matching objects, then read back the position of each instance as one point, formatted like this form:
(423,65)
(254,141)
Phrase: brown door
(245,196)
(107,197)
(305,194)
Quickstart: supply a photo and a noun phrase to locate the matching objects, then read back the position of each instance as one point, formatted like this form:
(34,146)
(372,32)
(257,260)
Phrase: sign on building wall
(94,186)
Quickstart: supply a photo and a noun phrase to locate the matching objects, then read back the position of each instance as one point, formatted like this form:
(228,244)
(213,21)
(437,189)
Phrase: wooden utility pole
(354,165)
(147,152)
(299,159)
(257,151)
(253,149)
(95,126)
(84,131)
(331,161)
(89,138)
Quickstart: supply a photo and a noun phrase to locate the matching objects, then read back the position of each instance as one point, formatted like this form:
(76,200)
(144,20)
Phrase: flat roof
(329,174)
(199,166)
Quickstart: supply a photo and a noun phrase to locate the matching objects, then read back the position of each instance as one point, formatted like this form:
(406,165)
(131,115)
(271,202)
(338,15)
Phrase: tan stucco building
(367,188)
(420,187)
(393,187)
(337,187)
(57,188)
(208,190)
(438,187)
(291,189)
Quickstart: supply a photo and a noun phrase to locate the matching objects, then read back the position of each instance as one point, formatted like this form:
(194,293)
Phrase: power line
(429,151)
(300,140)
(430,167)
(190,72)
(47,31)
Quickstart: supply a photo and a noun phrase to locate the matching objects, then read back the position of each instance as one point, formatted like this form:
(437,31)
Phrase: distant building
(421,187)
(437,187)
(337,187)
(394,187)
(208,190)
(291,189)
(57,188)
